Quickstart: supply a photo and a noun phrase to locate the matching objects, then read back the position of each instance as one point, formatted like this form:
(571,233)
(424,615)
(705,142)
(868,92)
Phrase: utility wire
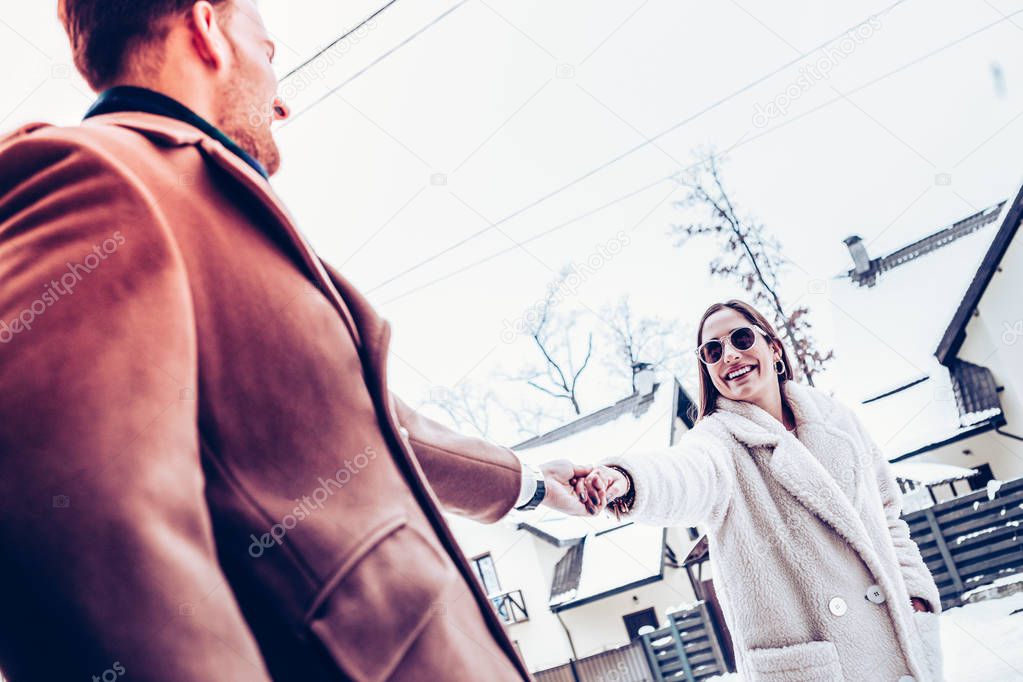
(337,40)
(373,63)
(675,174)
(628,152)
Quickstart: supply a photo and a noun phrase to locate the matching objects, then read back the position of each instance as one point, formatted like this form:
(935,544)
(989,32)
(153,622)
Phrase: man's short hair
(105,33)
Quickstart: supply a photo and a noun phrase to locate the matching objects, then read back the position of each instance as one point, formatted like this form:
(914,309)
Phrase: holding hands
(582,490)
(600,487)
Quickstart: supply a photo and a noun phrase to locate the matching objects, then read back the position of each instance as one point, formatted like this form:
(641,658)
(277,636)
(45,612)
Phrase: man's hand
(560,476)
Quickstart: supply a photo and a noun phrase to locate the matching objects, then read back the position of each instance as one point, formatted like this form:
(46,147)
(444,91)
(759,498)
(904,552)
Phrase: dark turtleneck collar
(131,98)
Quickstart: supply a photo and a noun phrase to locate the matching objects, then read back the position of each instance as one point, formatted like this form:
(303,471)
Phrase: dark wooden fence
(687,649)
(625,664)
(970,541)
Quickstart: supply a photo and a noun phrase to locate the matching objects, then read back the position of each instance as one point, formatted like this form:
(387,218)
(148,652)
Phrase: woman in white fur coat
(818,578)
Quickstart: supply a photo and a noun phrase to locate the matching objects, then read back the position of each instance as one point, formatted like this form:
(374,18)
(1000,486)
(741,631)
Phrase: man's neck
(191,98)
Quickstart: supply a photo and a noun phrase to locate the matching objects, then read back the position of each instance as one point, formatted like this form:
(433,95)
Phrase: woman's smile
(740,372)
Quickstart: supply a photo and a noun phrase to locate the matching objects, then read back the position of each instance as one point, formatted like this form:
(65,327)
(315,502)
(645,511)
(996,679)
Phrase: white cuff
(527,488)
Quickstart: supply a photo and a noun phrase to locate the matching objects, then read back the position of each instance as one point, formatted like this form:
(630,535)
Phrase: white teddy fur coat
(800,530)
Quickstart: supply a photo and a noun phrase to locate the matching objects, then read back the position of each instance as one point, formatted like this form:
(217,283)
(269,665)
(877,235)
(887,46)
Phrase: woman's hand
(920,605)
(600,486)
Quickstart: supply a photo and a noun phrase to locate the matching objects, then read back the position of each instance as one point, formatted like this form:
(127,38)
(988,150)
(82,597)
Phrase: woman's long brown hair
(708,392)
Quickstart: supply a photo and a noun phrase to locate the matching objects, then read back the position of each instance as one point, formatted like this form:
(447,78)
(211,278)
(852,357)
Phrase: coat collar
(755,427)
(175,133)
(131,98)
(797,469)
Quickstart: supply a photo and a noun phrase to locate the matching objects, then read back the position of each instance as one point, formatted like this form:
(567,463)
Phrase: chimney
(644,378)
(858,251)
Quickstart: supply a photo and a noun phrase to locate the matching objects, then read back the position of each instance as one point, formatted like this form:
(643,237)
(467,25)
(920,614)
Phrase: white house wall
(994,339)
(526,562)
(523,562)
(598,626)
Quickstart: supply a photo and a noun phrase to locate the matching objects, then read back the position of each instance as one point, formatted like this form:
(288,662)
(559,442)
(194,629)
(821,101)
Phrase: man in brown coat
(204,474)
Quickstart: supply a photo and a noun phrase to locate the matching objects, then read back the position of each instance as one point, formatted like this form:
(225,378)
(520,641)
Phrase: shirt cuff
(527,488)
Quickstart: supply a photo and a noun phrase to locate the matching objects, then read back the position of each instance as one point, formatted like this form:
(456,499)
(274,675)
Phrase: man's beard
(246,119)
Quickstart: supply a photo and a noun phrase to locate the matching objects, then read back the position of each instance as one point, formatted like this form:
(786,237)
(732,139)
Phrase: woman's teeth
(739,372)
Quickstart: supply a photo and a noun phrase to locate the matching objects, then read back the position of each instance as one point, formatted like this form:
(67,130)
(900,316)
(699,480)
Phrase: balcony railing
(510,606)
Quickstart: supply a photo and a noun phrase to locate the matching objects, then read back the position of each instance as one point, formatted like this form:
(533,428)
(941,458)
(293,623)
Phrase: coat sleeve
(687,484)
(471,477)
(102,494)
(918,578)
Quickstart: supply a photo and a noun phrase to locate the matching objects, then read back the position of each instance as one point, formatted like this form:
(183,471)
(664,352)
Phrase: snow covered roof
(886,334)
(932,242)
(930,473)
(607,563)
(888,322)
(920,416)
(638,422)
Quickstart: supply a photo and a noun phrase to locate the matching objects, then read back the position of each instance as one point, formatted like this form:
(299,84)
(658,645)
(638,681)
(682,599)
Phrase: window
(483,567)
(634,621)
(984,474)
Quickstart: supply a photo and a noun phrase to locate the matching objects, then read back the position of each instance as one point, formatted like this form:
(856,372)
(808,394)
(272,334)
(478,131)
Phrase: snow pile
(983,642)
(930,473)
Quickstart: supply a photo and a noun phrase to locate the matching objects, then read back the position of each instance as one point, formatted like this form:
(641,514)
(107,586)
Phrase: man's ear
(208,36)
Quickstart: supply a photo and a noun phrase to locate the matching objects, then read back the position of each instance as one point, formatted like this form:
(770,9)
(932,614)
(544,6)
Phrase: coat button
(837,606)
(875,594)
(403,431)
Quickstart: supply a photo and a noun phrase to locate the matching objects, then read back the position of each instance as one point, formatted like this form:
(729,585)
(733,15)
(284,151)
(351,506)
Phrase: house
(930,346)
(570,587)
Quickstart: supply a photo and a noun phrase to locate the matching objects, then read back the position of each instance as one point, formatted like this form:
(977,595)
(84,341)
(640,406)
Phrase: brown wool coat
(205,476)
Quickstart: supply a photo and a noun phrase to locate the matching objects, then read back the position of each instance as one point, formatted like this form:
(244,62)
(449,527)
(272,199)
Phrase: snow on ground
(981,642)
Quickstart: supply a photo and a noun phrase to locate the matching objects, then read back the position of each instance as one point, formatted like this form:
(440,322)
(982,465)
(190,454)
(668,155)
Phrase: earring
(779,366)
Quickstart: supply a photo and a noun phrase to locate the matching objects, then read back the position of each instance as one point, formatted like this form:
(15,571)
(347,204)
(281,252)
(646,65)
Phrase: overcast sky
(502,121)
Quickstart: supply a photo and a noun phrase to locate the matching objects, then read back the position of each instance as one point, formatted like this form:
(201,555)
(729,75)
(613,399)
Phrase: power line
(337,40)
(630,151)
(741,143)
(376,61)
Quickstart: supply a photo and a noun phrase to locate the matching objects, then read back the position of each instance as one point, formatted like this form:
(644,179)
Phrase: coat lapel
(171,132)
(796,468)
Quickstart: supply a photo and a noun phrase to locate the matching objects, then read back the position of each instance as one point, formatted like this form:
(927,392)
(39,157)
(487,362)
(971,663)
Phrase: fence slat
(960,565)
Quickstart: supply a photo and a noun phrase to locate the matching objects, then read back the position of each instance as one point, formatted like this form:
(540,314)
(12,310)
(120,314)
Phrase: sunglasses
(742,338)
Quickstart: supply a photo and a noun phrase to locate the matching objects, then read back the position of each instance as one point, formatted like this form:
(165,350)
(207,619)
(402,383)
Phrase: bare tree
(553,333)
(466,405)
(532,419)
(752,256)
(638,342)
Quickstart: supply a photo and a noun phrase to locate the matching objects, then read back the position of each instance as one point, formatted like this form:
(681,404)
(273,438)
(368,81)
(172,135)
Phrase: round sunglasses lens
(711,352)
(743,339)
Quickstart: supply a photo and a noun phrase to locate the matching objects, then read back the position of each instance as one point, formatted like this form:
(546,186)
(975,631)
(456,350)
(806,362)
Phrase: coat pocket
(928,626)
(805,662)
(370,612)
